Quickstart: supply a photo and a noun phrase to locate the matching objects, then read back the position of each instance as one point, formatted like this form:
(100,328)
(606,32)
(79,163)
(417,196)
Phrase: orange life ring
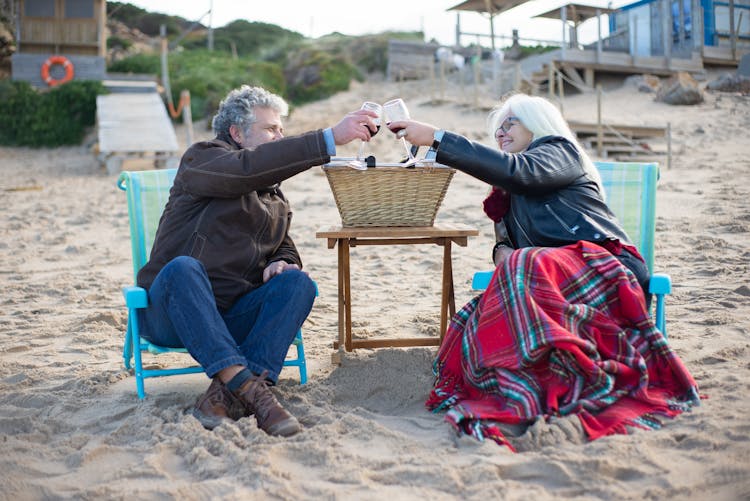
(61,60)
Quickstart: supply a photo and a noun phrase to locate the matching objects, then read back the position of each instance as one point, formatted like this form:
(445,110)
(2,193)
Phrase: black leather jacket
(553,202)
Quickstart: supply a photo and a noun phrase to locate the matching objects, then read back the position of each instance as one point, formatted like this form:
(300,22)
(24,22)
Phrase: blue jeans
(255,332)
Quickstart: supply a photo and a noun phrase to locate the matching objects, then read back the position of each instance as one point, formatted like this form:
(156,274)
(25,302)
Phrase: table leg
(344,247)
(448,302)
(342,295)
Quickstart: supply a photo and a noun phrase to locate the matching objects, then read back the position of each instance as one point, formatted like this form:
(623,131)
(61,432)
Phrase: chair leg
(659,316)
(127,348)
(300,362)
(301,359)
(136,347)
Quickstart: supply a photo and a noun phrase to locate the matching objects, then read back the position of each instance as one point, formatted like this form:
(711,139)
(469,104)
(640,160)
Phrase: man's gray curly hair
(238,108)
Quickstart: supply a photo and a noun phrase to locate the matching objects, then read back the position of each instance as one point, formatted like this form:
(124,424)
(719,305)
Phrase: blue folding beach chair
(147,193)
(631,195)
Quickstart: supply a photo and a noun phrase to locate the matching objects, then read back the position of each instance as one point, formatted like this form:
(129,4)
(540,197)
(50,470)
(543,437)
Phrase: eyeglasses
(506,125)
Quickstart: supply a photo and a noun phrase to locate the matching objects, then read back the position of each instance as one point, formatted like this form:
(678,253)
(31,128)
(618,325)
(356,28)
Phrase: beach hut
(718,29)
(59,40)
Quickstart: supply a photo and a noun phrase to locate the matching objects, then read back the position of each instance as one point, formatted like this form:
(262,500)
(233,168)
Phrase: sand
(71,425)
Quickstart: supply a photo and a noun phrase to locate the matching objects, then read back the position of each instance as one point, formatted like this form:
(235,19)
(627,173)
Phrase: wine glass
(359,163)
(396,110)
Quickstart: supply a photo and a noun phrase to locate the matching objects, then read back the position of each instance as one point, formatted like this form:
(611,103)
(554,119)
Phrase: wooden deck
(723,56)
(580,66)
(134,125)
(619,62)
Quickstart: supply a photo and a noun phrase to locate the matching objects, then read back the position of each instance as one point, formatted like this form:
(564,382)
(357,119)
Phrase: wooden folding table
(443,234)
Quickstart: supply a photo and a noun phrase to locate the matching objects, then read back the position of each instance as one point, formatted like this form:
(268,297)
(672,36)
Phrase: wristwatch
(501,243)
(436,138)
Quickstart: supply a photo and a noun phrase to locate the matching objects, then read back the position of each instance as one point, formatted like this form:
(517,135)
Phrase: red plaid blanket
(559,331)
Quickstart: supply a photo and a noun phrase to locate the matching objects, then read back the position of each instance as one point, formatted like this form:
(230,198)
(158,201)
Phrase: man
(224,277)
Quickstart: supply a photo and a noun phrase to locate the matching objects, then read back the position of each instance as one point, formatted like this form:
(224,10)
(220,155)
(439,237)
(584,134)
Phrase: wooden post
(561,90)
(442,80)
(589,77)
(432,82)
(669,145)
(517,77)
(210,37)
(666,26)
(458,29)
(599,130)
(475,67)
(187,115)
(491,11)
(598,35)
(551,80)
(697,25)
(462,84)
(564,17)
(732,31)
(165,66)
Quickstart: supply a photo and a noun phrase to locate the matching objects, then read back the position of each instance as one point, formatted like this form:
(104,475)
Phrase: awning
(576,13)
(491,7)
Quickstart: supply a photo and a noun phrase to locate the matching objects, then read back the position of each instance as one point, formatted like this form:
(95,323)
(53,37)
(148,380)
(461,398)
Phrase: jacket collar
(547,139)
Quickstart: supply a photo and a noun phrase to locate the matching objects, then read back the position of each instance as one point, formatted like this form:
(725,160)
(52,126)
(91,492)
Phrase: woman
(563,328)
(548,192)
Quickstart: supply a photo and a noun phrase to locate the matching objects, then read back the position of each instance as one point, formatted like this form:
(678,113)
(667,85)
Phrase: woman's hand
(417,133)
(501,254)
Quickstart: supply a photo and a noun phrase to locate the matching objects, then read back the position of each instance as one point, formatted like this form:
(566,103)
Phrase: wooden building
(59,40)
(718,30)
(646,36)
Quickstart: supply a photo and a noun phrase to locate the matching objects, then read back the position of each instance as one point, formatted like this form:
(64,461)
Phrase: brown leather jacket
(226,210)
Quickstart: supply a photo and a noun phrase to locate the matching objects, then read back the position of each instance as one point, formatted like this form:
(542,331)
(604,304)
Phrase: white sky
(314,18)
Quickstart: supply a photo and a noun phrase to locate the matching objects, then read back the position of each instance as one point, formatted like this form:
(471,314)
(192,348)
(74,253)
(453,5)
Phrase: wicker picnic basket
(388,196)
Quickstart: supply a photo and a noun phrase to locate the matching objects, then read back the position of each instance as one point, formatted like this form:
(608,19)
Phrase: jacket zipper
(520,228)
(559,220)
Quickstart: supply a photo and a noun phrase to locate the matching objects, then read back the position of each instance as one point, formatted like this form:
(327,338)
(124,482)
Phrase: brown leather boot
(217,405)
(271,416)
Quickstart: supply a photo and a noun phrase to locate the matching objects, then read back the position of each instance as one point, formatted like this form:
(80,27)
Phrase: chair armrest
(135,297)
(659,285)
(481,280)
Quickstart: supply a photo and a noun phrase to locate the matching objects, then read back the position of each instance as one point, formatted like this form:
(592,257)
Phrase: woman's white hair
(542,119)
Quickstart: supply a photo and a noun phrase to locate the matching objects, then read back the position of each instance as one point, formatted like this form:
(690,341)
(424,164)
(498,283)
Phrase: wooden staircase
(624,142)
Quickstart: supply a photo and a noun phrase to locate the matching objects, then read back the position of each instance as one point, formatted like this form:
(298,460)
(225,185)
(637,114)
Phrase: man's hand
(276,268)
(355,125)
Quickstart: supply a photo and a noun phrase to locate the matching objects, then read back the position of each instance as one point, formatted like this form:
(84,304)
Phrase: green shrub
(122,43)
(313,74)
(146,22)
(247,38)
(57,117)
(138,63)
(209,76)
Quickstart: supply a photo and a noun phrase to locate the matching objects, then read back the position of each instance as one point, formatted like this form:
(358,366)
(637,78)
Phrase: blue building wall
(711,34)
